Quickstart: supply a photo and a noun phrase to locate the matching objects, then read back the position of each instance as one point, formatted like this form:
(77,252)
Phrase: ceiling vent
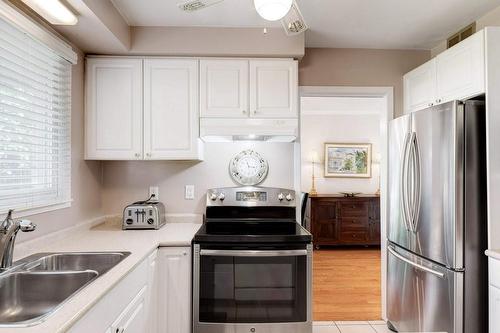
(194,5)
(294,22)
(462,34)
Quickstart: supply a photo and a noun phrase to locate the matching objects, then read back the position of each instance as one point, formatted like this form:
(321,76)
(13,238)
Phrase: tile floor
(350,327)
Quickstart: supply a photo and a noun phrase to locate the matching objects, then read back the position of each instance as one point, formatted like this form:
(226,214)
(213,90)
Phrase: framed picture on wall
(348,160)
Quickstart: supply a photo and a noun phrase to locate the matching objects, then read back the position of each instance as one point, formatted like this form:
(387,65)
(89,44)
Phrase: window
(35,123)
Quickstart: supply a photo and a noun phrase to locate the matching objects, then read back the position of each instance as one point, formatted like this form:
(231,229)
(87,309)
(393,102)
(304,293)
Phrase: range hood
(248,129)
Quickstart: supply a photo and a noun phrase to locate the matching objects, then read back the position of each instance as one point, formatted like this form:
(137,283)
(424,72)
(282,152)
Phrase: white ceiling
(396,24)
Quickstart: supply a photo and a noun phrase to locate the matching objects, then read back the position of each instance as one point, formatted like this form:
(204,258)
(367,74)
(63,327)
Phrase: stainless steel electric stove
(252,264)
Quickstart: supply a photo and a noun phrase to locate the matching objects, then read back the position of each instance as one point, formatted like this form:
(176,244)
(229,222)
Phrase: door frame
(387,95)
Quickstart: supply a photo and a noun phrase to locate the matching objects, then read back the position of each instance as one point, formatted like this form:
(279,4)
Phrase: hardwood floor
(346,284)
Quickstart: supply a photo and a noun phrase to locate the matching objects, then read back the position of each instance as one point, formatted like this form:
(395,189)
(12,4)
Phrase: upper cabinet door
(224,88)
(273,88)
(461,70)
(171,118)
(113,113)
(420,87)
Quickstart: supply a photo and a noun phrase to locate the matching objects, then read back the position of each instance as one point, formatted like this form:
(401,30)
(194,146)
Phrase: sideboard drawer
(353,223)
(354,237)
(354,209)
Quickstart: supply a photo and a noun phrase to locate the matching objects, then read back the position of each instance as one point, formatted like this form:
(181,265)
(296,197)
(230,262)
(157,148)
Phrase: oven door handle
(253,253)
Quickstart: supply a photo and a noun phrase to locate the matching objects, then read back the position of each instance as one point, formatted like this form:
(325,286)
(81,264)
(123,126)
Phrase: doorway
(349,277)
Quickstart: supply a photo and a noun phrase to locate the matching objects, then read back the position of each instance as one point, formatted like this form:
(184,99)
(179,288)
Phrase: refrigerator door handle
(414,264)
(404,182)
(416,188)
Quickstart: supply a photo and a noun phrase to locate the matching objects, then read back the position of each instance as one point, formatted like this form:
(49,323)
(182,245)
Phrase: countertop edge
(495,254)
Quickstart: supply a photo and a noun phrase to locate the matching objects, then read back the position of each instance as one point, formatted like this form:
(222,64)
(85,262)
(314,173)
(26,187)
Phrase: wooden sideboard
(338,220)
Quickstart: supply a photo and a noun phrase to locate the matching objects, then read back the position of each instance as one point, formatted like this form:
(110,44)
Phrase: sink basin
(27,296)
(34,287)
(100,262)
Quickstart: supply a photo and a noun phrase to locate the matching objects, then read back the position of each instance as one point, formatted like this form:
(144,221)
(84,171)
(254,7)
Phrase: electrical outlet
(156,191)
(189,192)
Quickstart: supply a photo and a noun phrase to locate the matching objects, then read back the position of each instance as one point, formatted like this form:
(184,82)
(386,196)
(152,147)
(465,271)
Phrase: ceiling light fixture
(53,11)
(272,10)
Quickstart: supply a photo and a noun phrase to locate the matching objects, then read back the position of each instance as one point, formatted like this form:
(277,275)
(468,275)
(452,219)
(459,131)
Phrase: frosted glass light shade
(53,11)
(272,10)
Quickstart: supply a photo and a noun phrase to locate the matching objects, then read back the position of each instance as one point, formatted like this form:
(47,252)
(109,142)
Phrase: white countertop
(104,237)
(493,253)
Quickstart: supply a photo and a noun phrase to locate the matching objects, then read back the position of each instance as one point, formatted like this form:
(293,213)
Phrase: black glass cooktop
(252,231)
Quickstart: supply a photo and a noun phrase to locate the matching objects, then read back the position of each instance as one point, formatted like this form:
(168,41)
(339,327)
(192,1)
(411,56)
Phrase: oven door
(252,289)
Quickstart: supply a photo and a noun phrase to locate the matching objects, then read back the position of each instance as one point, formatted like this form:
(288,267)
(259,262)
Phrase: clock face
(248,168)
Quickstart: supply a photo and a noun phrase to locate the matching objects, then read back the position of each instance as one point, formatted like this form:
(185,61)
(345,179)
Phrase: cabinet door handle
(244,111)
(148,154)
(137,155)
(254,111)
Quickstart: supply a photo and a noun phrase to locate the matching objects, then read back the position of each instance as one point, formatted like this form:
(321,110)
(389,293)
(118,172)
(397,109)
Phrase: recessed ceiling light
(272,10)
(53,11)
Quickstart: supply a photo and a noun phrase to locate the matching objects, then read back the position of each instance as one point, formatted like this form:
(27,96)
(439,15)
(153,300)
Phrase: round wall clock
(248,168)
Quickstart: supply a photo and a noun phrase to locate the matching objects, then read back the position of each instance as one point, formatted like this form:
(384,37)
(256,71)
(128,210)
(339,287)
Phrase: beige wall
(360,67)
(85,175)
(316,130)
(206,41)
(126,182)
(492,18)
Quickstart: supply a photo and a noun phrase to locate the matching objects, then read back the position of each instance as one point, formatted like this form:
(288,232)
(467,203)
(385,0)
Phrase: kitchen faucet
(8,232)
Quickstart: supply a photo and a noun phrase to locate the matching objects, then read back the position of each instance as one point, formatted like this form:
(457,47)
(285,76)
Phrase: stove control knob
(213,196)
(151,221)
(222,196)
(281,196)
(289,197)
(129,221)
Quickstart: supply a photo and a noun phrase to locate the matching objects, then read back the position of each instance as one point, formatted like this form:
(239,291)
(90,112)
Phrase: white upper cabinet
(224,88)
(273,88)
(171,119)
(456,74)
(245,88)
(420,87)
(461,70)
(113,109)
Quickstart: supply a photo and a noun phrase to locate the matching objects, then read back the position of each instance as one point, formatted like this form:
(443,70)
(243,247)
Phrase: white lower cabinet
(122,310)
(134,318)
(154,298)
(152,294)
(494,294)
(494,305)
(174,306)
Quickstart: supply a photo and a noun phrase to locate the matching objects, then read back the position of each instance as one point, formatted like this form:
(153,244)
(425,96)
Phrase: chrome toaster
(147,214)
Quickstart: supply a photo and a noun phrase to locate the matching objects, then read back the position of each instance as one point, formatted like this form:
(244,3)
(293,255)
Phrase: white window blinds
(35,124)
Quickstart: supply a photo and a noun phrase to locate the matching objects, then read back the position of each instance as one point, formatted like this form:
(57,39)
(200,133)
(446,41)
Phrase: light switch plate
(189,192)
(156,191)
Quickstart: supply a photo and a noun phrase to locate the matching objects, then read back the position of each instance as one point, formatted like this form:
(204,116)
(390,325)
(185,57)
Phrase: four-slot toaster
(148,214)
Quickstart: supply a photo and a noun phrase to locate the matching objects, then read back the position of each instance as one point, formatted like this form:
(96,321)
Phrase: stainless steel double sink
(34,287)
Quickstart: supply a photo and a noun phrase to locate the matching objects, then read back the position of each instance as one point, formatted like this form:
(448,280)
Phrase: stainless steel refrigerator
(437,233)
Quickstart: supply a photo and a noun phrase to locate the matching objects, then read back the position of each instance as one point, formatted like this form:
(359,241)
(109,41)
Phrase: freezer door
(399,134)
(422,296)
